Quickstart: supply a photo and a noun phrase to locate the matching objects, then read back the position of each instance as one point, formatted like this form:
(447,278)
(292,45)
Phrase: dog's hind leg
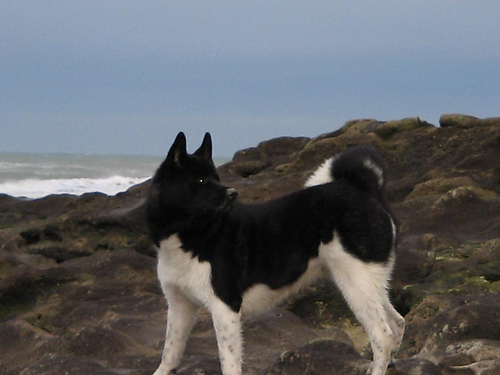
(181,316)
(364,287)
(227,324)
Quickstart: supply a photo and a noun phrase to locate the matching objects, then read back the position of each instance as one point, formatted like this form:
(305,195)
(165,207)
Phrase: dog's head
(187,185)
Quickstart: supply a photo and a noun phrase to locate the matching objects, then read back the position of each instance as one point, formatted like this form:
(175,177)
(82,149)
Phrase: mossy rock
(360,126)
(443,185)
(457,120)
(465,121)
(389,128)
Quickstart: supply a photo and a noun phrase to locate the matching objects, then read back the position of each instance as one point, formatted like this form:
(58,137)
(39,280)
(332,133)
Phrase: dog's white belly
(260,297)
(178,268)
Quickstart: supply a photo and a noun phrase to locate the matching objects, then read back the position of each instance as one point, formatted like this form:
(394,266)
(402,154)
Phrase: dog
(234,259)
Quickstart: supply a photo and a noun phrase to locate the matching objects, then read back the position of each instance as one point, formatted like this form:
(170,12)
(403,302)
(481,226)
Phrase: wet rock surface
(79,293)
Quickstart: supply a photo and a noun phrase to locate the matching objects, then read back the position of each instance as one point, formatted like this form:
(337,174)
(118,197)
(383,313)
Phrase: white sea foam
(31,188)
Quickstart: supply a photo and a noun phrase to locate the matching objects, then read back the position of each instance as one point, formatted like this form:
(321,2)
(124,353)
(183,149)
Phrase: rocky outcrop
(79,294)
(465,121)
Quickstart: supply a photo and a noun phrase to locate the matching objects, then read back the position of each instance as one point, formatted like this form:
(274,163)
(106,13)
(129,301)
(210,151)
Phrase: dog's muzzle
(232,194)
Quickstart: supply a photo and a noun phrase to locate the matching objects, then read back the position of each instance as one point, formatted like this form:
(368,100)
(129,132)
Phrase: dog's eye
(201,181)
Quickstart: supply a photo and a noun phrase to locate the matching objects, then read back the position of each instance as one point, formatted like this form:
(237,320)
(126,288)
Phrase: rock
(31,235)
(457,120)
(35,208)
(389,128)
(489,251)
(453,270)
(283,331)
(201,366)
(443,215)
(59,253)
(443,185)
(15,334)
(320,357)
(472,356)
(23,285)
(413,366)
(360,126)
(464,121)
(269,154)
(95,313)
(438,322)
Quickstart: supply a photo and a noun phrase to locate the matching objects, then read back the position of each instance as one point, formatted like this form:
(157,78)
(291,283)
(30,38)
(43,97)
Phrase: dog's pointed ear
(178,152)
(205,150)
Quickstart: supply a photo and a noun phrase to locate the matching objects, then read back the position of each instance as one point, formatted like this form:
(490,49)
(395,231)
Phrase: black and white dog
(233,258)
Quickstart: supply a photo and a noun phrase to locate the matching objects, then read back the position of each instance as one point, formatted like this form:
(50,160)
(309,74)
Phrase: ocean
(39,175)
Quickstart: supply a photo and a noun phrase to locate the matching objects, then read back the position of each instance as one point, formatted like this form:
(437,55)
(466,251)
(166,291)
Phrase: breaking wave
(31,188)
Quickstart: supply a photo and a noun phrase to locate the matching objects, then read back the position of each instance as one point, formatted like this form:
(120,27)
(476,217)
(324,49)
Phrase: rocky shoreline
(79,294)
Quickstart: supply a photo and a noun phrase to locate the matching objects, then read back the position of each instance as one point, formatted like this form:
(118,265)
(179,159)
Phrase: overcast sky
(123,77)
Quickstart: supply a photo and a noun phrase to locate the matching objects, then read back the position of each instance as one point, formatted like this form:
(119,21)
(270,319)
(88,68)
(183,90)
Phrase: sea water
(39,175)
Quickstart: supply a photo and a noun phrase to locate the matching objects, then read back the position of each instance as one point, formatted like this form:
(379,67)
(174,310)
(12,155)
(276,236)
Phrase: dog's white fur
(186,283)
(322,175)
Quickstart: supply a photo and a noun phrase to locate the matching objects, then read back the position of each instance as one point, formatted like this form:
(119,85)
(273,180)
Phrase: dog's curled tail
(362,166)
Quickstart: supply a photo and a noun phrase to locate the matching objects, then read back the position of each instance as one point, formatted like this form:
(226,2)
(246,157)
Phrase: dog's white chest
(176,267)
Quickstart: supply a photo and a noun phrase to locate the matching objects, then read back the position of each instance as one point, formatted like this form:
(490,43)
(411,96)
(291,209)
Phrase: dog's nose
(232,193)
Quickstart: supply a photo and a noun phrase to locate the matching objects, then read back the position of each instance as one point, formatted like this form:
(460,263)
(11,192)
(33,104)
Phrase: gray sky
(123,77)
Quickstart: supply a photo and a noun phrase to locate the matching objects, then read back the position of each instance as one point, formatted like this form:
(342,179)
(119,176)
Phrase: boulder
(472,356)
(320,357)
(389,128)
(465,121)
(443,185)
(440,321)
(413,366)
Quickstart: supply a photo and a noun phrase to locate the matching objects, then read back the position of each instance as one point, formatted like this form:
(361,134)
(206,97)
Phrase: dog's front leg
(227,324)
(181,316)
